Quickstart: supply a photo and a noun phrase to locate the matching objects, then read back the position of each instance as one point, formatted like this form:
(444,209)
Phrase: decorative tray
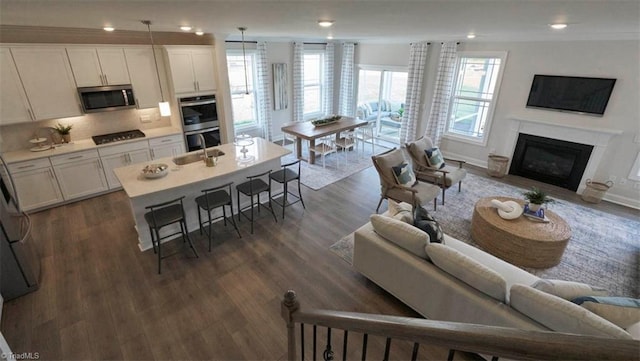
(153,171)
(325,121)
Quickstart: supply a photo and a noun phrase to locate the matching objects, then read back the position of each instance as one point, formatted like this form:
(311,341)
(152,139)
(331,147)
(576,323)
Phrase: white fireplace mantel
(597,137)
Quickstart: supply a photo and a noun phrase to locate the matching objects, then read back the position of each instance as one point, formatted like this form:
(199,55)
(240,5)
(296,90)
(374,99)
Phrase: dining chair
(324,146)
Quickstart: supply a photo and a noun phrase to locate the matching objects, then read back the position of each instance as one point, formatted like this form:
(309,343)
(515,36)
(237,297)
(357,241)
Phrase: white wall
(614,59)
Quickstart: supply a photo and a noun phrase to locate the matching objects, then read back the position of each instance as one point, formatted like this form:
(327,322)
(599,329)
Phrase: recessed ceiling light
(108,28)
(330,37)
(185,28)
(558,26)
(471,36)
(325,23)
(199,32)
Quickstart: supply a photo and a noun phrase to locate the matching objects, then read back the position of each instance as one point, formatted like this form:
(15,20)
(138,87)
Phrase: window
(381,96)
(477,80)
(244,105)
(313,83)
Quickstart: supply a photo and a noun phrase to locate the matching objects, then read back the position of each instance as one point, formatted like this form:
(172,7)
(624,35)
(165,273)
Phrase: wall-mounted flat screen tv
(571,94)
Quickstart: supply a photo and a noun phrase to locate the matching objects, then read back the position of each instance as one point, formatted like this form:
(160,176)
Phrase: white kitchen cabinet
(98,66)
(144,79)
(169,146)
(122,155)
(192,69)
(79,174)
(36,184)
(48,81)
(14,104)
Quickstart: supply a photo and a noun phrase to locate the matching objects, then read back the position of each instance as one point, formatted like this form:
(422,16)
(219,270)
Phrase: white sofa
(401,261)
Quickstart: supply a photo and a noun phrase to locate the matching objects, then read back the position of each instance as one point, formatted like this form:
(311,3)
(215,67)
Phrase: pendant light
(244,60)
(165,108)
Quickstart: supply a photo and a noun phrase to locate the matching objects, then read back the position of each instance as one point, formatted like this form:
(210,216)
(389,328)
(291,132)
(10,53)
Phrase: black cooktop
(117,137)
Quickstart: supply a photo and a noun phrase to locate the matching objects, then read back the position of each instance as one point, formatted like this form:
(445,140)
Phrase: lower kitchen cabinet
(170,146)
(79,174)
(120,156)
(36,184)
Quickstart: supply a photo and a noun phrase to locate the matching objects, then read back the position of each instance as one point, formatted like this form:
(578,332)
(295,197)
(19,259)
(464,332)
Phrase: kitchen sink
(197,156)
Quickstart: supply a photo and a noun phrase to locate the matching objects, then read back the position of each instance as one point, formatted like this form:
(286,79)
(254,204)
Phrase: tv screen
(570,94)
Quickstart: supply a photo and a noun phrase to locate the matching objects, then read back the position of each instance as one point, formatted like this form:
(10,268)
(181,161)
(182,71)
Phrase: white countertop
(83,144)
(136,185)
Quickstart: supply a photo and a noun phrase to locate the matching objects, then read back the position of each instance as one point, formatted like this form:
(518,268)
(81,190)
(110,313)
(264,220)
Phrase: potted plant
(64,131)
(536,198)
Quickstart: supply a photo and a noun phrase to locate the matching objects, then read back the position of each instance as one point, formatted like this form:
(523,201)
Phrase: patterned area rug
(604,249)
(315,176)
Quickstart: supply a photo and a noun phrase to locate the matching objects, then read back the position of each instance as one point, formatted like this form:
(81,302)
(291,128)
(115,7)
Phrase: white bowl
(152,171)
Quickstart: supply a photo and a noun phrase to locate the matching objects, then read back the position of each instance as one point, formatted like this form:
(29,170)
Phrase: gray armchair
(444,177)
(419,194)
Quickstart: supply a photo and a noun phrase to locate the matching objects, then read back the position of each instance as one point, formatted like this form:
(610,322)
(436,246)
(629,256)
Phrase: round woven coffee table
(521,241)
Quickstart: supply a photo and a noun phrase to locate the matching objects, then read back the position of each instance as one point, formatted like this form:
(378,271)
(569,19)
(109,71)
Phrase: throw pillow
(467,270)
(401,211)
(568,289)
(622,311)
(434,158)
(561,315)
(404,174)
(401,234)
(423,220)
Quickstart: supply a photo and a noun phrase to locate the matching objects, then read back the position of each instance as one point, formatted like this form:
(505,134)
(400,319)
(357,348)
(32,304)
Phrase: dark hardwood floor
(101,298)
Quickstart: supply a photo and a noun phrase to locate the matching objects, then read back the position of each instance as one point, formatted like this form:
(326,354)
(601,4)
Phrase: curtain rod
(239,41)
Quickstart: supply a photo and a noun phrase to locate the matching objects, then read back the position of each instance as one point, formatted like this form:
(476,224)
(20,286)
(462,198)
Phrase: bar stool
(253,187)
(164,214)
(284,176)
(217,197)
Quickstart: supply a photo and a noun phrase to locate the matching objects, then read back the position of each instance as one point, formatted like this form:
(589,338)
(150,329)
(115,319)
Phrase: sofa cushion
(568,289)
(468,270)
(404,174)
(622,311)
(434,158)
(400,233)
(561,315)
(425,221)
(401,211)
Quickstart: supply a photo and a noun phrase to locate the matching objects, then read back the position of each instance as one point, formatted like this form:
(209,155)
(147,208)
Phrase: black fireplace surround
(551,161)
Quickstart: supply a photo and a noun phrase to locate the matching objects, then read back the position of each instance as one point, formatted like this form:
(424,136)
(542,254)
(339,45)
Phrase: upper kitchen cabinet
(14,104)
(142,69)
(192,69)
(48,81)
(98,66)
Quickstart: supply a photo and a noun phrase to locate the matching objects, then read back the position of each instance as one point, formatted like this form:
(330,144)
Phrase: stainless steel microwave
(106,98)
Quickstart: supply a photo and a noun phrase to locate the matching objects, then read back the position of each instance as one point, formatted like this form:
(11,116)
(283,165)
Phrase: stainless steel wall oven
(199,115)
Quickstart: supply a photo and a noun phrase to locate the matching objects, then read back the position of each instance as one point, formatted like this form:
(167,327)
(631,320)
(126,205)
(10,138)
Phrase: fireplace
(551,161)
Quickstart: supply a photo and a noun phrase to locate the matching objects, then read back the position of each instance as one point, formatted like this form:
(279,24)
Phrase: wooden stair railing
(480,339)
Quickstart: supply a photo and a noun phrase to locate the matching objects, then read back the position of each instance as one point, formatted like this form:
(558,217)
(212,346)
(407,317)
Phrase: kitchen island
(190,179)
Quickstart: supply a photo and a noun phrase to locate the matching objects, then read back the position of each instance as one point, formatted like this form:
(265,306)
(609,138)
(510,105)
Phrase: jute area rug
(336,167)
(604,249)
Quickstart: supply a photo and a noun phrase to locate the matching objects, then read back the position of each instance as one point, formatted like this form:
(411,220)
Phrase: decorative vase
(534,207)
(66,138)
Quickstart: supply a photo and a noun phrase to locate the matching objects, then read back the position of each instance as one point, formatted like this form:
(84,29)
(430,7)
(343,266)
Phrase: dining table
(307,131)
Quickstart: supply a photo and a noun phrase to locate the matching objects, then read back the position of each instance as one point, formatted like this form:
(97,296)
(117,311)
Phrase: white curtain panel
(346,80)
(298,82)
(264,90)
(327,93)
(442,95)
(417,59)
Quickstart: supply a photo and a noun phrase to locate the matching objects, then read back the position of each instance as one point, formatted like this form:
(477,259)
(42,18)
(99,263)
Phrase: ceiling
(367,21)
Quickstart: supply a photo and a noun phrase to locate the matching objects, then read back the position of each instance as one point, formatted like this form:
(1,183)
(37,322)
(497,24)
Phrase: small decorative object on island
(507,209)
(325,120)
(64,131)
(536,198)
(153,171)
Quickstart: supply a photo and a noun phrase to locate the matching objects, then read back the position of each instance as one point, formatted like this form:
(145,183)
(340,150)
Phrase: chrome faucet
(204,147)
